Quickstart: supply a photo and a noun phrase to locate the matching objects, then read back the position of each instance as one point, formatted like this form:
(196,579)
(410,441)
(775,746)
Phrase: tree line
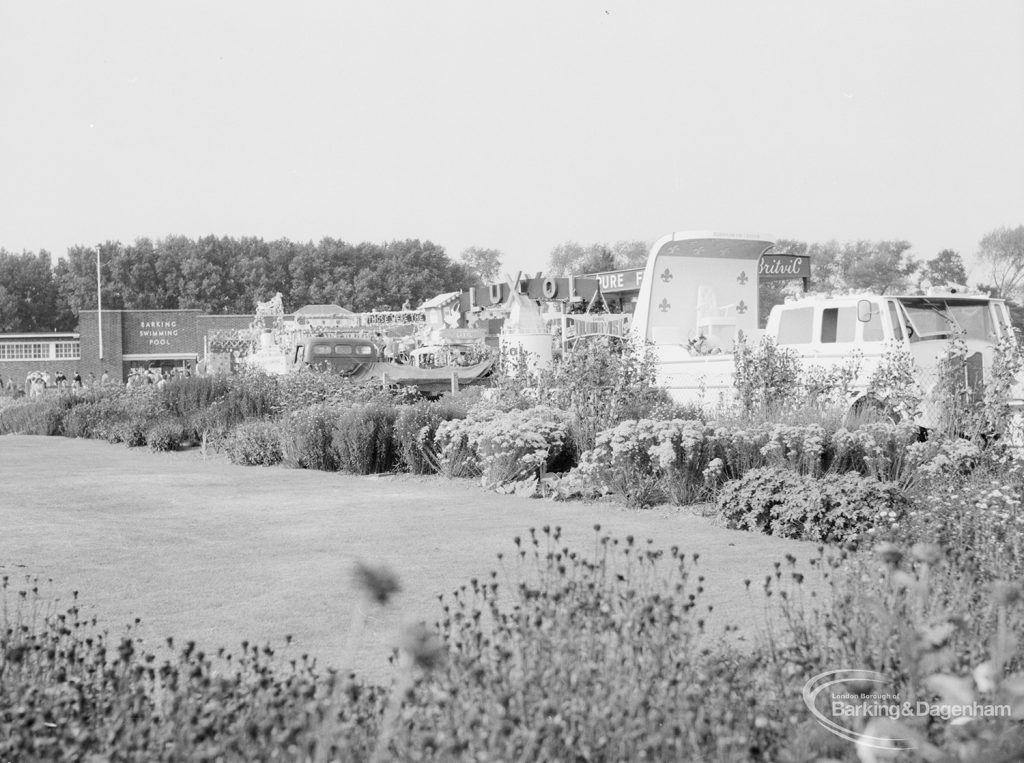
(228,275)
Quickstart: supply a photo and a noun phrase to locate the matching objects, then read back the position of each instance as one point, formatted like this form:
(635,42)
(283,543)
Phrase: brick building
(129,339)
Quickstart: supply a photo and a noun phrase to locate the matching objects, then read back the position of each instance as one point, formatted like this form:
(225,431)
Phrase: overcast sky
(514,125)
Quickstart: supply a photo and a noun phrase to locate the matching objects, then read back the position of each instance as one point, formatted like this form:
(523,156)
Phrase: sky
(511,125)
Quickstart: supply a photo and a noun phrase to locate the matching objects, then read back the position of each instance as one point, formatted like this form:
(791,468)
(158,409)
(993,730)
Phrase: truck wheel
(870,409)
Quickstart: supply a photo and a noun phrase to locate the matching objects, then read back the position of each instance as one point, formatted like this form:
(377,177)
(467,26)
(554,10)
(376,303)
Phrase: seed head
(378,582)
(889,553)
(423,646)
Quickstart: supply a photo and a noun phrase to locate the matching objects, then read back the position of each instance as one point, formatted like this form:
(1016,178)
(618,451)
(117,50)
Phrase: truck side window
(873,331)
(796,325)
(838,324)
(897,329)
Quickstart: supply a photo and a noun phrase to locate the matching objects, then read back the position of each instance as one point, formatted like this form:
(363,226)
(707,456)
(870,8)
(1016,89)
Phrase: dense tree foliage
(884,267)
(227,275)
(29,298)
(484,264)
(947,267)
(571,258)
(1002,252)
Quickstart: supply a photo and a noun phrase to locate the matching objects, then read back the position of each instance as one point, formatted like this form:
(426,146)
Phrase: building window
(25,351)
(64,350)
(67,351)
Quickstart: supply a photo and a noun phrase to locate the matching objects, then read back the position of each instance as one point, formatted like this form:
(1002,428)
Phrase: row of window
(40,351)
(340,349)
(838,324)
(926,318)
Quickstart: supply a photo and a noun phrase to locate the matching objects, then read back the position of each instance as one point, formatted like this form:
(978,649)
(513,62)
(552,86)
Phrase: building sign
(539,288)
(159,333)
(155,332)
(619,280)
(784,266)
(388,318)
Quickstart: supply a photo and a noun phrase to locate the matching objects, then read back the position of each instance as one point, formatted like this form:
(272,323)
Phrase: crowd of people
(39,382)
(141,377)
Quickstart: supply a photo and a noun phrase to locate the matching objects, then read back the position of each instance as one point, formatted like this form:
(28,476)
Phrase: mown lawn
(201,549)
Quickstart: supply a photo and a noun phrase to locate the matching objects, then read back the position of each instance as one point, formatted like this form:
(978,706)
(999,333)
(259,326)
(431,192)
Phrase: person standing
(105,378)
(77,379)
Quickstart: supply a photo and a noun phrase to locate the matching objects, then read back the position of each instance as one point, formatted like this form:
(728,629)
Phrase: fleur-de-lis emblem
(666,276)
(741,279)
(741,307)
(664,306)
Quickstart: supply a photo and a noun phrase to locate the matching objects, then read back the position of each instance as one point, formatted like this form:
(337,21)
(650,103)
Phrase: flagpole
(99,303)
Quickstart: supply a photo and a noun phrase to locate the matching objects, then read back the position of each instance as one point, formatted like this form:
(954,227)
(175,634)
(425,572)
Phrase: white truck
(699,292)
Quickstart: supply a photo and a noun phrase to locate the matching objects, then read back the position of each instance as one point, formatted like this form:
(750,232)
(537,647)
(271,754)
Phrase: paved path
(207,550)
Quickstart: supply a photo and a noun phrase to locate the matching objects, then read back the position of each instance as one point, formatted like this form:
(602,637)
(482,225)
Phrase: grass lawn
(205,550)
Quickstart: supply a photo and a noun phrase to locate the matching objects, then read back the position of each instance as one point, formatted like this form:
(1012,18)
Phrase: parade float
(449,341)
(380,346)
(699,299)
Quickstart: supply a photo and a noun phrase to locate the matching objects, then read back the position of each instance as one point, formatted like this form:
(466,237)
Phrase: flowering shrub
(84,420)
(831,385)
(35,417)
(254,443)
(599,657)
(185,396)
(506,446)
(648,460)
(416,427)
(166,434)
(208,425)
(835,509)
(448,450)
(307,438)
(645,461)
(876,448)
(600,382)
(364,439)
(1001,386)
(131,431)
(894,384)
(799,448)
(976,517)
(74,691)
(766,375)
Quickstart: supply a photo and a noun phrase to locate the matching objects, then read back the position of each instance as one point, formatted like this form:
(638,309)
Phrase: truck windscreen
(932,318)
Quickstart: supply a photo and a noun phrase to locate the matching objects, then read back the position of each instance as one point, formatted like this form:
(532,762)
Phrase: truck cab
(343,355)
(827,331)
(833,326)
